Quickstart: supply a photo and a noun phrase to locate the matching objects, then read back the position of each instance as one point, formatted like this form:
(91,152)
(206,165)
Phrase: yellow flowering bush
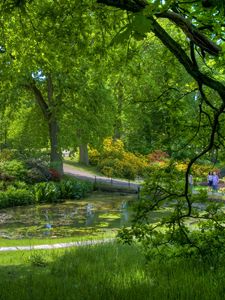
(94,156)
(113,148)
(114,161)
(202,170)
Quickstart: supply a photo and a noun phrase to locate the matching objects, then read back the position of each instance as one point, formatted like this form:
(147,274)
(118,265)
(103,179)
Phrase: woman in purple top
(215,181)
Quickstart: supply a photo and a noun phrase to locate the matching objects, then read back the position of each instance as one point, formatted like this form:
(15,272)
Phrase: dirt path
(56,246)
(70,170)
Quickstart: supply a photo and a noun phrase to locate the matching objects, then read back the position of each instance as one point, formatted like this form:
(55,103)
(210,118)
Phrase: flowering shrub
(114,161)
(202,170)
(113,148)
(55,176)
(157,156)
(94,156)
(181,166)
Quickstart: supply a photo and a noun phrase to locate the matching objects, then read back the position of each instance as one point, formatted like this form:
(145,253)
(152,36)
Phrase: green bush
(47,192)
(3,200)
(15,197)
(19,197)
(20,185)
(6,155)
(37,171)
(74,189)
(13,168)
(2,185)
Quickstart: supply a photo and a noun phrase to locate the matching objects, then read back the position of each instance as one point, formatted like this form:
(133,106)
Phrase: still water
(95,214)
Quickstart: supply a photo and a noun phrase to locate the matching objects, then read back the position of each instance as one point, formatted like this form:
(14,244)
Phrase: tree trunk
(118,123)
(83,154)
(55,154)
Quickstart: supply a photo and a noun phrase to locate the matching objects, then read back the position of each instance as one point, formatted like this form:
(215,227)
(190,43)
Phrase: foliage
(89,273)
(29,181)
(15,197)
(58,192)
(192,225)
(37,260)
(157,156)
(94,156)
(55,176)
(46,192)
(37,171)
(6,154)
(114,161)
(74,189)
(13,168)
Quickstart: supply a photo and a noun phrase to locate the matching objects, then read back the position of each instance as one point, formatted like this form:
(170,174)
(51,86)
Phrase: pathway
(70,170)
(56,246)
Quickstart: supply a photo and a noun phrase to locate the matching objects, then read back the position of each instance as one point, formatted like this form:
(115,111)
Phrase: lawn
(110,271)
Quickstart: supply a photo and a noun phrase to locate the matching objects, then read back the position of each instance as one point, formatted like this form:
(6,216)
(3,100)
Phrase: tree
(196,49)
(51,56)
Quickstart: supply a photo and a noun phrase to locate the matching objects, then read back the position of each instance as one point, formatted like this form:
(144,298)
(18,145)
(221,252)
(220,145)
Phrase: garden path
(56,246)
(70,170)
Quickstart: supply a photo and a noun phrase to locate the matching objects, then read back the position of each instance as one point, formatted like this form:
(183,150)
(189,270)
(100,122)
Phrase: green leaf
(141,24)
(121,37)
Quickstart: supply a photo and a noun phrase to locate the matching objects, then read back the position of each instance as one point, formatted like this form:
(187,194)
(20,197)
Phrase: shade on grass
(109,271)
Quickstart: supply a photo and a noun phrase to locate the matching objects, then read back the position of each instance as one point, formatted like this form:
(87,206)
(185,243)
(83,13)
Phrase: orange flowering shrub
(157,156)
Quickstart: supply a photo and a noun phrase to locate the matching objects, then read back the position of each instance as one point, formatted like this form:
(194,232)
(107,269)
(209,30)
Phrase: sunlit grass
(108,271)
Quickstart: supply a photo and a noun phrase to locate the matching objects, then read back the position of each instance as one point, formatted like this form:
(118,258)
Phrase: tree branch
(131,5)
(39,99)
(191,32)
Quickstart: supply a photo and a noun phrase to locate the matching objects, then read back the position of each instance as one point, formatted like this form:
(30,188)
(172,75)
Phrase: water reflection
(96,213)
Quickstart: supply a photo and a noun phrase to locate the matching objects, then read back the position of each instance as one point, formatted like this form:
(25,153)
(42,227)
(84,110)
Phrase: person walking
(210,181)
(191,182)
(215,182)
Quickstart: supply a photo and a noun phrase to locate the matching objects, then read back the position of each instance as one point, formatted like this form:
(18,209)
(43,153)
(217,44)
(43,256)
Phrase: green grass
(109,271)
(34,241)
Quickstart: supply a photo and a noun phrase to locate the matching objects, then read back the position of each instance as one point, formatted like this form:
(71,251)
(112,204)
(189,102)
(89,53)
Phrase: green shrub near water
(15,197)
(74,189)
(56,192)
(46,192)
(19,193)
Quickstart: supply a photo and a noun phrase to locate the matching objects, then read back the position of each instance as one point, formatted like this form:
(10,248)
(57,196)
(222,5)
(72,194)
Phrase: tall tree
(201,33)
(49,48)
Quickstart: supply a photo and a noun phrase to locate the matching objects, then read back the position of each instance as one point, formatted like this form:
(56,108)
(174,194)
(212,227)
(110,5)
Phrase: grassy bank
(108,271)
(44,241)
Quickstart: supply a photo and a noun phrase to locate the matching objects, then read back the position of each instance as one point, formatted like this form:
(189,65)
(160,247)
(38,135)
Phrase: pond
(95,214)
